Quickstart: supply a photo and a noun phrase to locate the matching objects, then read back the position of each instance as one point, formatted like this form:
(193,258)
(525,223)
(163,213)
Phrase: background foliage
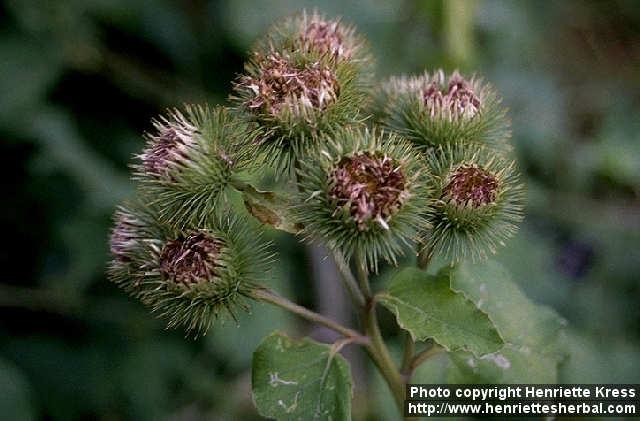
(80,81)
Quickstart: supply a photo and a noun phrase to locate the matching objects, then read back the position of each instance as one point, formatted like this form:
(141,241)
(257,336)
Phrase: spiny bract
(363,191)
(478,201)
(434,109)
(191,159)
(309,76)
(189,276)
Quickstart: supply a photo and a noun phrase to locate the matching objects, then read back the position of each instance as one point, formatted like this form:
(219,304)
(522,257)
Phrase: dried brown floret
(472,184)
(372,186)
(458,96)
(191,259)
(325,37)
(281,85)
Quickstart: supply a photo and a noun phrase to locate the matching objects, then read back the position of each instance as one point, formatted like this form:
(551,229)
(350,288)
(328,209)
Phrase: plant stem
(348,279)
(363,276)
(409,349)
(377,349)
(458,30)
(271,297)
(424,355)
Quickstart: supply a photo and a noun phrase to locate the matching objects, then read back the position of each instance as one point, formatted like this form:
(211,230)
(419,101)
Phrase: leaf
(531,331)
(269,208)
(427,307)
(300,379)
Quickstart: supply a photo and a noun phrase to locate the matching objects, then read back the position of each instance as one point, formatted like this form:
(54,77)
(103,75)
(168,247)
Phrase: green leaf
(427,307)
(531,331)
(300,379)
(269,208)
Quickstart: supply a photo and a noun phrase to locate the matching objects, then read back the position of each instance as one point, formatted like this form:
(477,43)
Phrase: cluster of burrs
(430,171)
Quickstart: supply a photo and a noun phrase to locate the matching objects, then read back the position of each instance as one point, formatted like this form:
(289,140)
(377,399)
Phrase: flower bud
(363,191)
(308,77)
(479,201)
(188,276)
(190,160)
(433,110)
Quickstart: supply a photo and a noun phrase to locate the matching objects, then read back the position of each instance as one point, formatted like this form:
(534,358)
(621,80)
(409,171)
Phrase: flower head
(327,37)
(471,184)
(169,145)
(434,109)
(480,201)
(363,191)
(191,159)
(373,187)
(309,76)
(121,237)
(189,276)
(281,86)
(192,259)
(314,33)
(457,98)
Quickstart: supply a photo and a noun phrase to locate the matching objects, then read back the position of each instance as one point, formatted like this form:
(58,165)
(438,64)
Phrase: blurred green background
(80,81)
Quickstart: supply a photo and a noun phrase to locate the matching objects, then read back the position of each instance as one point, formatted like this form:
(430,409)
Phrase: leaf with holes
(300,379)
(427,307)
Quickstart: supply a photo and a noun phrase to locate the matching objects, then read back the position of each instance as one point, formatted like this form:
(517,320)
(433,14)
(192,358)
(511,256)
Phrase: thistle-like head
(479,201)
(309,76)
(191,159)
(436,109)
(372,186)
(363,191)
(326,36)
(472,185)
(189,276)
(455,99)
(282,86)
(191,259)
(169,146)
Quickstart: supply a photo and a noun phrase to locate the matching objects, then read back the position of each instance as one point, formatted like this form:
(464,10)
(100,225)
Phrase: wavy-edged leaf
(427,307)
(531,331)
(300,379)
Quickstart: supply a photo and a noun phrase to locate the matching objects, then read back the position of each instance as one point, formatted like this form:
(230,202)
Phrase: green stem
(363,275)
(409,350)
(348,279)
(377,349)
(458,30)
(421,357)
(271,297)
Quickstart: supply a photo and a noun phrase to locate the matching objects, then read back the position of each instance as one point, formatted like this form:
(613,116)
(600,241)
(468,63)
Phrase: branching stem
(271,297)
(377,349)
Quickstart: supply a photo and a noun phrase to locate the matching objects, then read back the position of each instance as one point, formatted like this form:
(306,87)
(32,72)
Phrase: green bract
(434,109)
(189,276)
(363,191)
(191,159)
(305,79)
(479,201)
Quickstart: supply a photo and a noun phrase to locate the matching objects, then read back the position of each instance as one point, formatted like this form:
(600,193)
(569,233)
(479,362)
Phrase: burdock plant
(430,182)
